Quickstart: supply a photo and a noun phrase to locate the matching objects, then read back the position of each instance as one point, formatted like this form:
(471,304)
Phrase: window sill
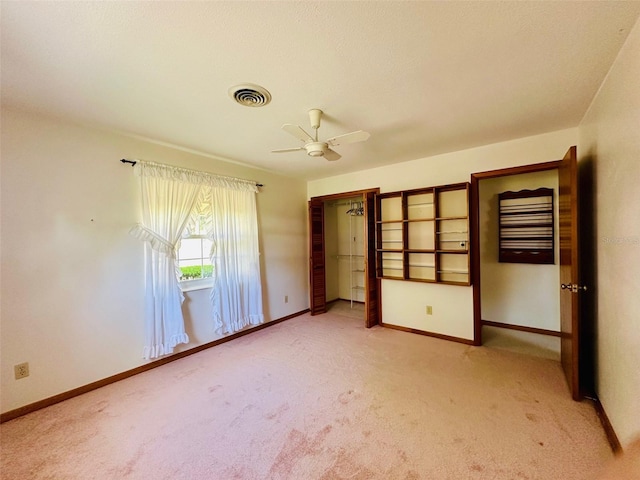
(199,284)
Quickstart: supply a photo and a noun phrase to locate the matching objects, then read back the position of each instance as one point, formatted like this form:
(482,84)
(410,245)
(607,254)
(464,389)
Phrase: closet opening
(342,255)
(345,256)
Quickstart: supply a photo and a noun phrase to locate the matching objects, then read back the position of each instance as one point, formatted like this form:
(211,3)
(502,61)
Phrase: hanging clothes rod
(357,209)
(133,164)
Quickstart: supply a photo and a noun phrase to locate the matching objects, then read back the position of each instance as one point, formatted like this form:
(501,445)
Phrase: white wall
(609,141)
(72,277)
(403,303)
(517,293)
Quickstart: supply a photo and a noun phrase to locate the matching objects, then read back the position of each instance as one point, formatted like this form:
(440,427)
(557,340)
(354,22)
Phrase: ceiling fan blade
(359,136)
(297,132)
(282,150)
(332,155)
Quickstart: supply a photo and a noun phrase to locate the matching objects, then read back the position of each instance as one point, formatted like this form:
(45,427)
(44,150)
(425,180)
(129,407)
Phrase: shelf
(444,219)
(434,235)
(526,226)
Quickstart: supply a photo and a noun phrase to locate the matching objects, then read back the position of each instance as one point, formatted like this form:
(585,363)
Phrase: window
(193,211)
(194,254)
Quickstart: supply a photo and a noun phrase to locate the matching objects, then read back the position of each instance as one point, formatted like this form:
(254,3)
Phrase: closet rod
(133,163)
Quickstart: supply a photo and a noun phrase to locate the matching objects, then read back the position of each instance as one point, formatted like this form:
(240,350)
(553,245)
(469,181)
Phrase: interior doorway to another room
(520,300)
(576,360)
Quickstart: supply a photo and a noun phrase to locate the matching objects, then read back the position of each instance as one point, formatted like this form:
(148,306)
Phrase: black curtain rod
(133,162)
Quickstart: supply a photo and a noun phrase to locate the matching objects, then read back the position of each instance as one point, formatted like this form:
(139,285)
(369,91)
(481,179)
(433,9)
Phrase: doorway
(568,283)
(519,251)
(342,254)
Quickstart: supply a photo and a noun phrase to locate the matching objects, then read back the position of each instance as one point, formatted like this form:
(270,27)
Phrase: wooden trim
(47,402)
(521,328)
(504,172)
(337,196)
(428,334)
(474,237)
(606,424)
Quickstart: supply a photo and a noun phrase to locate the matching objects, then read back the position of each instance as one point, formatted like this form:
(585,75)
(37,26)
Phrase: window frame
(195,283)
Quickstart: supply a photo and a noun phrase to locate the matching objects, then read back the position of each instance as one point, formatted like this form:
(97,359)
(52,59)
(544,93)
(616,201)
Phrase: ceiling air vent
(250,95)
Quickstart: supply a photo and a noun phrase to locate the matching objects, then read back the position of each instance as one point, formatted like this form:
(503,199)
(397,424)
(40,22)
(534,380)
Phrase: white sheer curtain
(237,291)
(171,197)
(168,197)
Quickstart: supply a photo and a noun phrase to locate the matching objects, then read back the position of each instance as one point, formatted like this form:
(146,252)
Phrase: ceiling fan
(313,147)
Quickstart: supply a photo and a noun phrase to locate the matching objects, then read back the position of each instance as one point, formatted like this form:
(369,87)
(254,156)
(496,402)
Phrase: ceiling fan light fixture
(250,95)
(315,149)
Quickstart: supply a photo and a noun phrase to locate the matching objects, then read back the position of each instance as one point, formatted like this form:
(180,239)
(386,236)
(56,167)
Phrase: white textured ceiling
(422,77)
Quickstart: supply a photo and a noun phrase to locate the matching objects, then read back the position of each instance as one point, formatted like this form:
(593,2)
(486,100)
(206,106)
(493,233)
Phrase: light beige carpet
(319,398)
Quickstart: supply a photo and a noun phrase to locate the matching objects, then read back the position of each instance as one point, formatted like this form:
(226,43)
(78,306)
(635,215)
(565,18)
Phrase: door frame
(475,231)
(372,287)
(569,310)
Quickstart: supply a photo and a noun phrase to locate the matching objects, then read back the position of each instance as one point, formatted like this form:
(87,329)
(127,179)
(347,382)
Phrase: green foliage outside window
(195,271)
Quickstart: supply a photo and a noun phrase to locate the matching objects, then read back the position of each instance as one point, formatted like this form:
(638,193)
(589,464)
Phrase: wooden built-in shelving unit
(422,235)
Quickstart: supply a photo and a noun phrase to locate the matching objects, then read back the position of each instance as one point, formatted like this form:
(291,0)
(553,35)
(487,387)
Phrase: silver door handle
(573,287)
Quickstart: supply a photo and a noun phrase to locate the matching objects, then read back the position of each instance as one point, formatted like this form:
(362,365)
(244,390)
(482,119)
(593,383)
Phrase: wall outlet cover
(21,370)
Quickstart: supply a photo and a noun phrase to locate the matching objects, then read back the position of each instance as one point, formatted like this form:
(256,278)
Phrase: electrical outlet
(286,299)
(21,370)
(429,310)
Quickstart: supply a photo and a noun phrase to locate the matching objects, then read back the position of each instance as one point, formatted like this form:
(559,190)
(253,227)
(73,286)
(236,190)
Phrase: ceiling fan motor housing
(314,117)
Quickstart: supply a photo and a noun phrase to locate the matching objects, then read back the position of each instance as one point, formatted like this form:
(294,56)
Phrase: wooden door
(372,305)
(569,272)
(318,300)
